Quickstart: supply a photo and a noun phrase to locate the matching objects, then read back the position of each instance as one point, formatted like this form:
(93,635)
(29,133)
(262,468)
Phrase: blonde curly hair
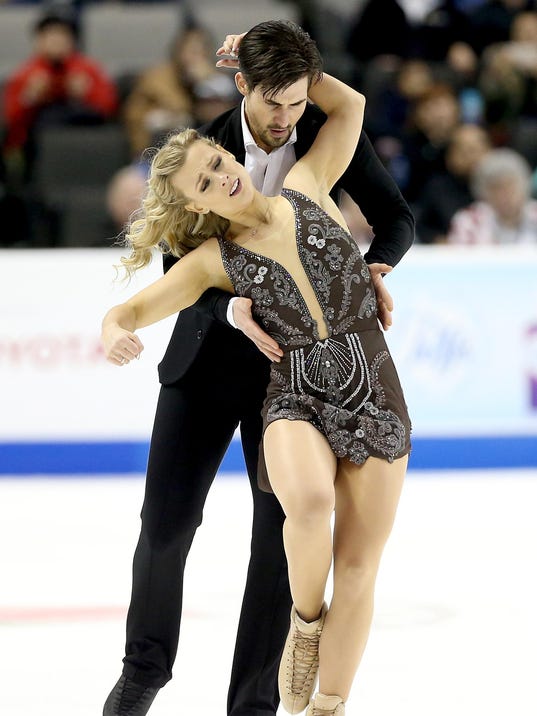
(164,221)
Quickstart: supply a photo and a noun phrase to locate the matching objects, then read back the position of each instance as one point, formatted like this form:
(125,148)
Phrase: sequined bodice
(333,266)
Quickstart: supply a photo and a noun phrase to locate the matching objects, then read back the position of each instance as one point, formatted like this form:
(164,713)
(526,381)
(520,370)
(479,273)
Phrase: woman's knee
(353,578)
(310,507)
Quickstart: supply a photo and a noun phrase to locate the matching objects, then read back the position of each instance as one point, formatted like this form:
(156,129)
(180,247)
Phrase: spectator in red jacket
(56,85)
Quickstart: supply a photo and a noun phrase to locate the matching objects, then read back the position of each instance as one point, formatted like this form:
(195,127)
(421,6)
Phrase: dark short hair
(52,18)
(275,54)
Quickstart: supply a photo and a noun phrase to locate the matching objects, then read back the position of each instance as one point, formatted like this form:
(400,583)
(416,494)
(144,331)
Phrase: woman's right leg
(302,468)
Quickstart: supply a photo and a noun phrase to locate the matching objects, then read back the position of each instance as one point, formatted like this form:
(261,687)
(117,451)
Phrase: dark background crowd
(86,88)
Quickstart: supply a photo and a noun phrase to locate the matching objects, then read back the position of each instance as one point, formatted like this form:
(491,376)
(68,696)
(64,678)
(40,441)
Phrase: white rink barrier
(464,340)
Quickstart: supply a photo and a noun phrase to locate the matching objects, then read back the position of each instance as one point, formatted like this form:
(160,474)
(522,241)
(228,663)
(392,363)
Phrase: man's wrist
(229,312)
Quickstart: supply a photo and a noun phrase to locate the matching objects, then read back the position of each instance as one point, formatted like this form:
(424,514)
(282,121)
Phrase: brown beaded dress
(346,384)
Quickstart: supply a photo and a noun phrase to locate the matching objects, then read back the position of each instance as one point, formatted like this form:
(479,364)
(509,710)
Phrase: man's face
(55,43)
(272,117)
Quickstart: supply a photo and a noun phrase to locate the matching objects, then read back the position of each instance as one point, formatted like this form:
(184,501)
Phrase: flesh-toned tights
(310,483)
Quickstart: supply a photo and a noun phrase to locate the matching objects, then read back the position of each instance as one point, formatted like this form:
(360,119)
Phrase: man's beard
(275,142)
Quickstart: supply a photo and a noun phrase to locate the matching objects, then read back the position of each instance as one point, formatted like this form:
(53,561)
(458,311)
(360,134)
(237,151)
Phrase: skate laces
(305,656)
(322,712)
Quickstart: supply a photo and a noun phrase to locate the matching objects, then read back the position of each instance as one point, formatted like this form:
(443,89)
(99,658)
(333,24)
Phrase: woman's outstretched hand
(120,346)
(384,300)
(230,47)
(242,315)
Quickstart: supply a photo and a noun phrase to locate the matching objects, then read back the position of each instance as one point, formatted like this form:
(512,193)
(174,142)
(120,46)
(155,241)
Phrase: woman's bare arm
(336,141)
(179,288)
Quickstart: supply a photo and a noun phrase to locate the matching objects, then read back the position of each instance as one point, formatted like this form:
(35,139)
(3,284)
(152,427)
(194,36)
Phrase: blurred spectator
(3,190)
(435,115)
(462,62)
(508,79)
(124,194)
(504,213)
(13,215)
(387,115)
(380,29)
(491,23)
(443,39)
(444,194)
(185,90)
(361,231)
(445,25)
(56,85)
(212,97)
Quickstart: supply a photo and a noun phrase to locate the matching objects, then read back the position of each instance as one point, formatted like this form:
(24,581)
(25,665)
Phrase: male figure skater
(214,378)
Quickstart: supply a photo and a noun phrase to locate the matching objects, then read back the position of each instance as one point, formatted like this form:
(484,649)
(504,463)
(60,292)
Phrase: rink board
(464,340)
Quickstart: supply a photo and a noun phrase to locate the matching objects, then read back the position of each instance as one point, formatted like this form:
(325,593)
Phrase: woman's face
(213,181)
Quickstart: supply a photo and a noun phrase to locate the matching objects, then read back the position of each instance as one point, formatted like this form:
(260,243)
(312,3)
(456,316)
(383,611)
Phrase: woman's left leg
(366,502)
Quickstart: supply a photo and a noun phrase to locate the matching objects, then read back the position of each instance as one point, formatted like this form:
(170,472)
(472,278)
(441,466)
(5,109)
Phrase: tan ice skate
(300,662)
(323,705)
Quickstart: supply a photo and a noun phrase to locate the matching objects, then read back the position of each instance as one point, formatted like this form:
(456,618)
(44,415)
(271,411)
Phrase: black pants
(194,424)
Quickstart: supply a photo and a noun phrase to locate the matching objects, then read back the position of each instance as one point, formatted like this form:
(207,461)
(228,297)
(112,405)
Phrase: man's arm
(370,185)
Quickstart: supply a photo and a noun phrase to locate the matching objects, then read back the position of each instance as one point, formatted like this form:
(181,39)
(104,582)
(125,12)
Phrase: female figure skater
(336,428)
